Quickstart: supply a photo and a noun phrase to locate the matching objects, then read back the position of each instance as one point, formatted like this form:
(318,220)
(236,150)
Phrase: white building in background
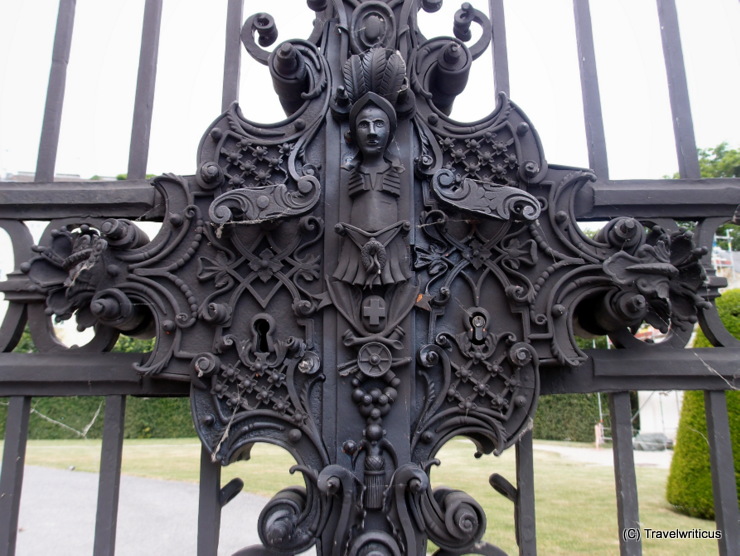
(659,412)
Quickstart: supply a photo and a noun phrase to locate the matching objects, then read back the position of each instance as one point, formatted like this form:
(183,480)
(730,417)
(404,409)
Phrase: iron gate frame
(23,376)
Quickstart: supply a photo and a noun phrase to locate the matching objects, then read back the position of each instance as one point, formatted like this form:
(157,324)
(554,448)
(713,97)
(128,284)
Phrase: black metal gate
(366,280)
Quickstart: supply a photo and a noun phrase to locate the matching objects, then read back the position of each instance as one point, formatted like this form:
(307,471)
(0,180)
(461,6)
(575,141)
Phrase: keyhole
(262,328)
(479,328)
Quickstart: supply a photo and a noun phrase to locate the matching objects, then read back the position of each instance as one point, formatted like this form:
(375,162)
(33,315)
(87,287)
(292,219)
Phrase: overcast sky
(542,52)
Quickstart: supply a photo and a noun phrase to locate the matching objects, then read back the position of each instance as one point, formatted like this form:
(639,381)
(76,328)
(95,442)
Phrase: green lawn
(576,508)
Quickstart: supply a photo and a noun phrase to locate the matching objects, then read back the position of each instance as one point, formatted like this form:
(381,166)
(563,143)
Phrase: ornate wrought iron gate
(367,279)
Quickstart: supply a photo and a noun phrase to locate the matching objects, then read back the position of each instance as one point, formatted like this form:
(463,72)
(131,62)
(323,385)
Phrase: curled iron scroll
(260,204)
(501,202)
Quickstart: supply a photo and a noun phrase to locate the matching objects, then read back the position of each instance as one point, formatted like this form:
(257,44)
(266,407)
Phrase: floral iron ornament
(368,279)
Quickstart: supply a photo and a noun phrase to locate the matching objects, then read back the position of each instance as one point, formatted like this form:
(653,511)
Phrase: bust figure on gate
(375,251)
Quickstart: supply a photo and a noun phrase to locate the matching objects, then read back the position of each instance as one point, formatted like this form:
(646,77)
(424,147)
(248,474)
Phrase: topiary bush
(728,307)
(689,488)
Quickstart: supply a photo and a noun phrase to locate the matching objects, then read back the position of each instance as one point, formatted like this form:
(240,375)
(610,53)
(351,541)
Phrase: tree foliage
(719,162)
(126,344)
(122,177)
(722,162)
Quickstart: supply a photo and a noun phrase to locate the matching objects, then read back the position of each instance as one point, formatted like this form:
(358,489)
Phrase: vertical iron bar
(525,510)
(52,124)
(11,477)
(678,90)
(209,505)
(592,114)
(628,511)
(138,153)
(723,472)
(500,53)
(109,483)
(232,54)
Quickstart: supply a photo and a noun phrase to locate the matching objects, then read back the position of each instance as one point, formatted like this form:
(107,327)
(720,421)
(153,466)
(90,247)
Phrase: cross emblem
(373,310)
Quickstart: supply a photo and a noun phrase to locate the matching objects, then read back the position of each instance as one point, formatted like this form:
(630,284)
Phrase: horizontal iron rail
(646,369)
(83,199)
(70,374)
(683,199)
(602,199)
(76,374)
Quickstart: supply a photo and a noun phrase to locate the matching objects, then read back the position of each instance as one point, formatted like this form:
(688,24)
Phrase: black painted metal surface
(14,456)
(110,476)
(368,279)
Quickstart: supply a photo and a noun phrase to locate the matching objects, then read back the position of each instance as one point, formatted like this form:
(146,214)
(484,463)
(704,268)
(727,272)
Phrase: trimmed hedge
(689,488)
(568,417)
(75,417)
(68,418)
(562,417)
(158,418)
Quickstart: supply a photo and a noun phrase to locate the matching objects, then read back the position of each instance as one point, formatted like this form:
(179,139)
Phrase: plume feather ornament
(377,70)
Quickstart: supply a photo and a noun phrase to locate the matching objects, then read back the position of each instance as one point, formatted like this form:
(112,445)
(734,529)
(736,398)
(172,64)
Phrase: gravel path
(156,517)
(604,456)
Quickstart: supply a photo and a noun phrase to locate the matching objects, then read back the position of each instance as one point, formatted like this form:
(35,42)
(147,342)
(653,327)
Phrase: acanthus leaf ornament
(367,279)
(270,202)
(501,202)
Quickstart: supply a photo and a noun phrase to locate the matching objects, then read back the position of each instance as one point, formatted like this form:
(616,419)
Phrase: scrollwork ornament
(452,274)
(253,206)
(217,313)
(623,233)
(373,25)
(521,354)
(500,202)
(283,523)
(455,520)
(375,543)
(205,364)
(210,176)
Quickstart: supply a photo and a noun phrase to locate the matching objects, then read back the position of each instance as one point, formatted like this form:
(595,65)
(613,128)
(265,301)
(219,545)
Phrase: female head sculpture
(369,101)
